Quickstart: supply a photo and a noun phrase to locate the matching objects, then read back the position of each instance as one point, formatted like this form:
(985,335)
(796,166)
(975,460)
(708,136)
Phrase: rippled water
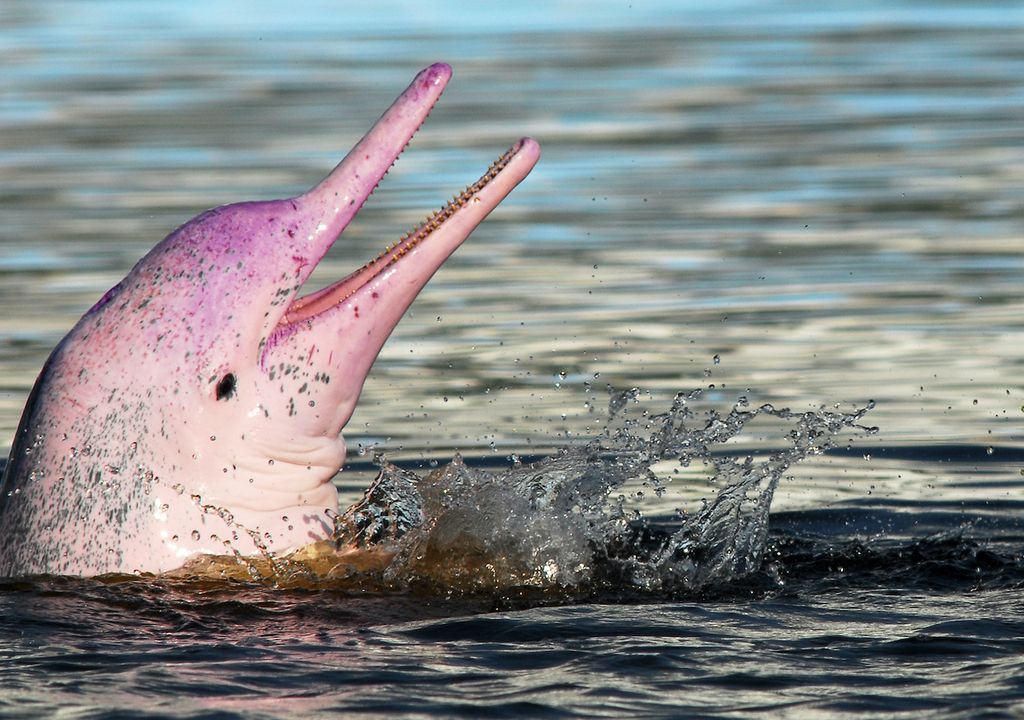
(801,206)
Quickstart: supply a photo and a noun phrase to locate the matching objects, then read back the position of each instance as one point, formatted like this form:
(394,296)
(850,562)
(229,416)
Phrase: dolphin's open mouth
(306,307)
(335,333)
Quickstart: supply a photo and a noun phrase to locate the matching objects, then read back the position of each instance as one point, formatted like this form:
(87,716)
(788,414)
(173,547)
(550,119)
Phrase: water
(827,200)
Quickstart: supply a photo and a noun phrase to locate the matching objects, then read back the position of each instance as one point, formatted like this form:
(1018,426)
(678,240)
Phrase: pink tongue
(316,302)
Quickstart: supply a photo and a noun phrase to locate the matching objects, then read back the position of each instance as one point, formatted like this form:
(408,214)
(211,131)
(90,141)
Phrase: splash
(564,524)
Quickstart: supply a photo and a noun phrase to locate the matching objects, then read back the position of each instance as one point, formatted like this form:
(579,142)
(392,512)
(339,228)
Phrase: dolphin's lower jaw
(197,408)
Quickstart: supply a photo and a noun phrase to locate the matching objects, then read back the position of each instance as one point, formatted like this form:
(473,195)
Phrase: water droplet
(716,359)
(195,535)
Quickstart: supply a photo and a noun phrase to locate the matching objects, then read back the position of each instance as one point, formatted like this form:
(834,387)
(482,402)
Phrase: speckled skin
(198,407)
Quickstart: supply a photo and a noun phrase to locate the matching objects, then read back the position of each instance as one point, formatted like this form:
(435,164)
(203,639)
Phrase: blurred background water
(801,204)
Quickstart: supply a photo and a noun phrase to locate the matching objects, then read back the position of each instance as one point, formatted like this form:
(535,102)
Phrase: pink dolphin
(198,406)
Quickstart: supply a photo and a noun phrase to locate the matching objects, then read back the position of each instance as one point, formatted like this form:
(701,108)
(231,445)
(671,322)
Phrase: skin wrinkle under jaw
(197,407)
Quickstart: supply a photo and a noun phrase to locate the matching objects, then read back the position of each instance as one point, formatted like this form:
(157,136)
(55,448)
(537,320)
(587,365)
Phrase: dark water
(807,206)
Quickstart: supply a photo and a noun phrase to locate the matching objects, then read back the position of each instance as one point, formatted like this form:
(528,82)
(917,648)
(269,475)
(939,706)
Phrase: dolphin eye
(226,386)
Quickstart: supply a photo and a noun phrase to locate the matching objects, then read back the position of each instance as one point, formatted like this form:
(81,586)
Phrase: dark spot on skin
(226,387)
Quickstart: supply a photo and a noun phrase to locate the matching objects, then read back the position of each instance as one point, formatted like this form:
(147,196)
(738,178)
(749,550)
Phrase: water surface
(805,206)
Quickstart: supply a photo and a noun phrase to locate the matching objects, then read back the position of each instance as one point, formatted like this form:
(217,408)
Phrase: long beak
(340,330)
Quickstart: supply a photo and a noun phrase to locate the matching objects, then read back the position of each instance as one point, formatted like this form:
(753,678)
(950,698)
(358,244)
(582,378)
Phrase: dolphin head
(198,406)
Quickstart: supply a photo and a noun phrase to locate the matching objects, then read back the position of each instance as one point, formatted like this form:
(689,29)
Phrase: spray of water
(561,524)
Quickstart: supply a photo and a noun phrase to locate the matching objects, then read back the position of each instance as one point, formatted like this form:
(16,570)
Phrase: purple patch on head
(107,297)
